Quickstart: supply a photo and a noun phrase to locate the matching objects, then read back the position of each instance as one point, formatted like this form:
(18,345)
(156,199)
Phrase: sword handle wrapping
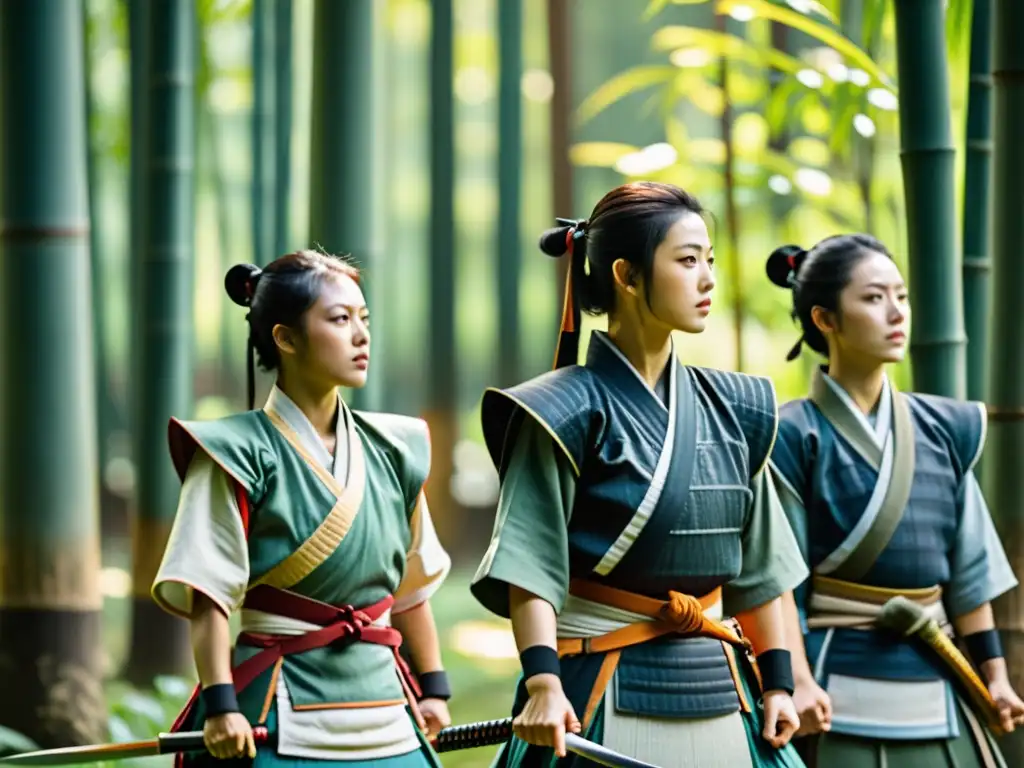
(192,741)
(483,734)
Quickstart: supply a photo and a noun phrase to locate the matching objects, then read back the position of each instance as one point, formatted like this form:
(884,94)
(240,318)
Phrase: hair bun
(784,263)
(240,283)
(553,241)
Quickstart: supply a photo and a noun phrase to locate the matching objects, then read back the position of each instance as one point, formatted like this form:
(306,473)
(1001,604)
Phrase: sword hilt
(192,741)
(486,733)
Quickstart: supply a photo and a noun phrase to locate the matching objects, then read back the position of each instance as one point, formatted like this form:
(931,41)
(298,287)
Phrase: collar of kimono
(328,536)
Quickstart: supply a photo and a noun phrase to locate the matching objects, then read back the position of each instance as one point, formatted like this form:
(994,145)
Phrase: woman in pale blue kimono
(880,490)
(309,519)
(639,547)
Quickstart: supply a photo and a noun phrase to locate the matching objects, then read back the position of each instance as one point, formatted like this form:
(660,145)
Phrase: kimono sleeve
(772,563)
(207,550)
(980,571)
(427,562)
(529,547)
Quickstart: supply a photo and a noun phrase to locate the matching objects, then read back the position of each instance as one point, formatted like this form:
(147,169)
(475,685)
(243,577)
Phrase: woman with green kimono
(309,518)
(639,547)
(880,490)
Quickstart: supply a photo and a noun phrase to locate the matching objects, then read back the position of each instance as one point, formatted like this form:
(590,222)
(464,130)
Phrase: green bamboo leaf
(12,742)
(716,44)
(777,111)
(677,135)
(798,21)
(874,17)
(622,85)
(599,154)
(843,113)
(653,9)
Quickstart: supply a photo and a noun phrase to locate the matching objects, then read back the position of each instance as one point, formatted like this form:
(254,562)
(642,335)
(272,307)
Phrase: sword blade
(165,743)
(602,755)
(488,733)
(88,754)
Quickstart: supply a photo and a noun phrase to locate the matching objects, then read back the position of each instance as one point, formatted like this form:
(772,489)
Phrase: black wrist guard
(220,699)
(434,685)
(539,660)
(984,645)
(776,667)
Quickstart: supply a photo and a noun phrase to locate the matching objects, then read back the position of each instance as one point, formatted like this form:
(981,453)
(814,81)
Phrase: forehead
(876,268)
(688,229)
(340,289)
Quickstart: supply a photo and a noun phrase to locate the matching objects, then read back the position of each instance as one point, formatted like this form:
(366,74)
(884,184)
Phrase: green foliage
(137,715)
(799,112)
(12,742)
(134,715)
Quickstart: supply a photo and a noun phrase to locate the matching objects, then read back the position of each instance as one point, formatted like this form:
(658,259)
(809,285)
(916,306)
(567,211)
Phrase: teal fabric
(267,757)
(518,754)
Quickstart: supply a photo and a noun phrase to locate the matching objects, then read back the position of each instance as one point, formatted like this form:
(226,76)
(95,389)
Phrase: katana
(480,734)
(164,744)
(490,732)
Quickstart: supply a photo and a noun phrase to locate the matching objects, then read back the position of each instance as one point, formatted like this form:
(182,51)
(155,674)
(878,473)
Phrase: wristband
(539,660)
(776,667)
(220,699)
(983,646)
(434,685)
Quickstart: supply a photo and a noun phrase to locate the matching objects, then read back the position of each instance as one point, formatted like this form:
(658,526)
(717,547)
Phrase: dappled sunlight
(483,640)
(115,583)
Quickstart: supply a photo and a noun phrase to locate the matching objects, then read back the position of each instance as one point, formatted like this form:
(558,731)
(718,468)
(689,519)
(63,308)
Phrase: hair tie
(567,347)
(250,284)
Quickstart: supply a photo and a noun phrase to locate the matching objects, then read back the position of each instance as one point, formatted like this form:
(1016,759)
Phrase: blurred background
(148,145)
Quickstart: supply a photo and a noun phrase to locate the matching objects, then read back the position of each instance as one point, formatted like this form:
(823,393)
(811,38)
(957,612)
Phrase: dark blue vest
(835,484)
(612,428)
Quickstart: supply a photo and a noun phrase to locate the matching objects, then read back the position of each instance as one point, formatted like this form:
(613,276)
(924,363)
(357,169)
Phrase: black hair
(629,223)
(817,277)
(280,294)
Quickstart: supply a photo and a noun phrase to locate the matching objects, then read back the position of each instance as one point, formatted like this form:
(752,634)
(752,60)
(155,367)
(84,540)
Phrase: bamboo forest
(150,145)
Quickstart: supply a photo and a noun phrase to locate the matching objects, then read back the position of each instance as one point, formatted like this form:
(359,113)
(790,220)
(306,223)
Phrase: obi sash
(881,685)
(680,616)
(340,626)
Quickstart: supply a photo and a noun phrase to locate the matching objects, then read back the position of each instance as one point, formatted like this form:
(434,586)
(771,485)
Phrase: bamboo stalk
(937,344)
(160,642)
(342,178)
(442,408)
(50,600)
(977,264)
(1004,479)
(510,135)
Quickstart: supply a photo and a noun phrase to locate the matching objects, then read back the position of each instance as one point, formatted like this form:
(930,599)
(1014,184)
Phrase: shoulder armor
(797,423)
(753,402)
(408,438)
(239,444)
(561,401)
(964,424)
